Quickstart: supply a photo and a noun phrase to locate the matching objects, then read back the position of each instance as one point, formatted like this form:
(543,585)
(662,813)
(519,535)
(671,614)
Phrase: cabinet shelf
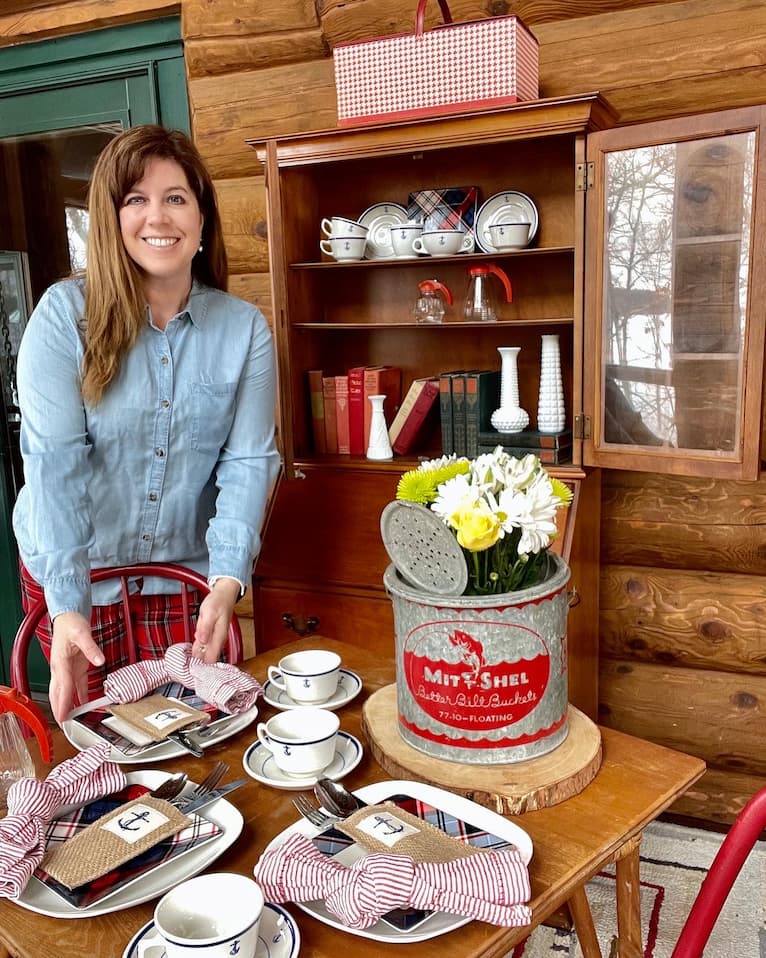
(455,325)
(477,257)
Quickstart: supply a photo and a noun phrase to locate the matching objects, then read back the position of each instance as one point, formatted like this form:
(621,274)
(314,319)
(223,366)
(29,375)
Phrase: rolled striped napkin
(490,886)
(225,686)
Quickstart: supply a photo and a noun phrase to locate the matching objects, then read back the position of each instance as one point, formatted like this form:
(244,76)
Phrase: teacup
(210,916)
(340,226)
(402,238)
(310,676)
(344,248)
(302,741)
(442,242)
(507,236)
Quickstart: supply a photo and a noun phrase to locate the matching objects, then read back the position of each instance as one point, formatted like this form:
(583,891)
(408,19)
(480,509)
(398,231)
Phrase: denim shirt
(175,463)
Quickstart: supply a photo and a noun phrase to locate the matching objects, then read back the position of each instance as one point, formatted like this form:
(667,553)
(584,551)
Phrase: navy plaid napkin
(59,830)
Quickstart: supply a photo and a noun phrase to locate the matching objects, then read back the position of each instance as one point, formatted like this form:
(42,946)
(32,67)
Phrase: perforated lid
(423,549)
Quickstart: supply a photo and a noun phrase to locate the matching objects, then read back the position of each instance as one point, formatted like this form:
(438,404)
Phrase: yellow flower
(477,528)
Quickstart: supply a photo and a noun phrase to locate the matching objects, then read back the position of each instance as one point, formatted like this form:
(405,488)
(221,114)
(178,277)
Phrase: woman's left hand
(215,614)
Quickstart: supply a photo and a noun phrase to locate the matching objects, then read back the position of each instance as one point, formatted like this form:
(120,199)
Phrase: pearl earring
(199,248)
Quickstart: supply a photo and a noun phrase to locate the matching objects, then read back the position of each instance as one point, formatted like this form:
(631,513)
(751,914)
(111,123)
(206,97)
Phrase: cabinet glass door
(676,297)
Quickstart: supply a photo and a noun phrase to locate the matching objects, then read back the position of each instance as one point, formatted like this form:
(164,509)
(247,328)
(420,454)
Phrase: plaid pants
(157,621)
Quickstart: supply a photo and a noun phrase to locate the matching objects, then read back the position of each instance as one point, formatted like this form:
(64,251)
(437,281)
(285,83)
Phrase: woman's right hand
(73,651)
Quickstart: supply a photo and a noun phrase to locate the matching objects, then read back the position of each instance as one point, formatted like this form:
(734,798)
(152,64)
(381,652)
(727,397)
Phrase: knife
(181,738)
(212,795)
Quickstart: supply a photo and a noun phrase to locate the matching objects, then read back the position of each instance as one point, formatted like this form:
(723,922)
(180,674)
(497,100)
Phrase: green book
(482,397)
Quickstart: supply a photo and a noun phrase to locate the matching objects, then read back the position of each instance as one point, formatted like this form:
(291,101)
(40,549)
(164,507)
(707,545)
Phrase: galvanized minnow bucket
(482,679)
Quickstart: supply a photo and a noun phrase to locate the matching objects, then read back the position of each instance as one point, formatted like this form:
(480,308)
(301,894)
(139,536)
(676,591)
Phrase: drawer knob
(299,624)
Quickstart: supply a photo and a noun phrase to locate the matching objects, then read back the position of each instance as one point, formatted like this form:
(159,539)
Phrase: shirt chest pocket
(212,413)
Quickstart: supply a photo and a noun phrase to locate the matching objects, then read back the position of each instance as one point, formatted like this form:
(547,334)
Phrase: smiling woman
(147,402)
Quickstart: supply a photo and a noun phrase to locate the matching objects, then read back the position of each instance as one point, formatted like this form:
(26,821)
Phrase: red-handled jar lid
(11,700)
(434,286)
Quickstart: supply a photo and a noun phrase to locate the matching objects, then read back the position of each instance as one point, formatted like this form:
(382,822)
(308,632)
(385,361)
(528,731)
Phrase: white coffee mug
(403,236)
(309,676)
(443,242)
(302,741)
(210,916)
(340,226)
(344,248)
(507,236)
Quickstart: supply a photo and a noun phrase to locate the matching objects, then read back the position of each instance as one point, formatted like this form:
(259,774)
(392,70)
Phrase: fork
(206,785)
(316,816)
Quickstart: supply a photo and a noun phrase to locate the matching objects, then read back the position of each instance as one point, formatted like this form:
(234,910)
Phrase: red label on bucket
(464,690)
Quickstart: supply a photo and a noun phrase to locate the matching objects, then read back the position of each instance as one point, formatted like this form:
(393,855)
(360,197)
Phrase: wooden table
(572,842)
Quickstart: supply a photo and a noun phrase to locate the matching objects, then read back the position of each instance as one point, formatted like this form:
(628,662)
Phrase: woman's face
(161,222)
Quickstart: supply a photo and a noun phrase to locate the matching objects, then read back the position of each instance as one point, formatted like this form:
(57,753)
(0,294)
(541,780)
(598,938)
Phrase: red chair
(162,570)
(721,875)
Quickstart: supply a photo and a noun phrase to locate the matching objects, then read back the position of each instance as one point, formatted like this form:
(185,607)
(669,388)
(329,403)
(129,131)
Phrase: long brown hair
(115,310)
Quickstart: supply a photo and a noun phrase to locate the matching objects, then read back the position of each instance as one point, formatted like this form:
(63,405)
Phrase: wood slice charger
(509,789)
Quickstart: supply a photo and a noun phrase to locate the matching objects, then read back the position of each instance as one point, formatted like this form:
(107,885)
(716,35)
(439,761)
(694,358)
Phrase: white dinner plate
(278,935)
(37,897)
(218,731)
(379,219)
(508,207)
(349,686)
(440,922)
(259,763)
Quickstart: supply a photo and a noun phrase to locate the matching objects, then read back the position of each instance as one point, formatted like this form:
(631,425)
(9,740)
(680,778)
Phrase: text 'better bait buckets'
(482,679)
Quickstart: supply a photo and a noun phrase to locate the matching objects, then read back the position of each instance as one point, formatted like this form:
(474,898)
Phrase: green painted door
(68,97)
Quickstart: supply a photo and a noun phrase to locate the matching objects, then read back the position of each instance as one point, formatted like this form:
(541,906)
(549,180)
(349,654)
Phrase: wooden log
(25,22)
(264,103)
(719,796)
(213,57)
(242,206)
(232,18)
(509,789)
(255,288)
(717,716)
(699,620)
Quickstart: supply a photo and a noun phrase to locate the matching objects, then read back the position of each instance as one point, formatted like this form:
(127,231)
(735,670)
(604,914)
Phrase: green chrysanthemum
(561,491)
(421,485)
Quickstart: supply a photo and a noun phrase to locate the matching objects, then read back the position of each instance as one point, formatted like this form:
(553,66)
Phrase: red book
(330,414)
(418,403)
(316,399)
(385,381)
(341,410)
(356,411)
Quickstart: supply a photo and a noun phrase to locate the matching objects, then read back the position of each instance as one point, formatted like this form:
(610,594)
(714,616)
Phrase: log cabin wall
(683,562)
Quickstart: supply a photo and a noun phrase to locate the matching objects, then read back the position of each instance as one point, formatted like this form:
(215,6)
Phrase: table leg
(583,923)
(629,900)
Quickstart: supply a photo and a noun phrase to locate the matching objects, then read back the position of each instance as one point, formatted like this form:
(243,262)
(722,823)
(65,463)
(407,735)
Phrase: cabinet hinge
(584,176)
(582,426)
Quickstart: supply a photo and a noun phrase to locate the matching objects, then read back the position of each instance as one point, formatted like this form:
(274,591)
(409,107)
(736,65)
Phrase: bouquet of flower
(501,510)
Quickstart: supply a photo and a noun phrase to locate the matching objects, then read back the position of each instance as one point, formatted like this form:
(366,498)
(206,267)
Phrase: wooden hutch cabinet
(322,563)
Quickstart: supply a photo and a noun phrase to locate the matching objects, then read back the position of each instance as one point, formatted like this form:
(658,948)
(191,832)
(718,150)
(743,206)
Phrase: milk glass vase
(510,417)
(550,407)
(379,446)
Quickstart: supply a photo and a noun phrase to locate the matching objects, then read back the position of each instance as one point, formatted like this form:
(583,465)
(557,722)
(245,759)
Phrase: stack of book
(340,411)
(467,399)
(550,448)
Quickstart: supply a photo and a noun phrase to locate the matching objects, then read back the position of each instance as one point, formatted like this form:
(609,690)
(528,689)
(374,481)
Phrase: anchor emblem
(235,947)
(129,824)
(170,714)
(391,826)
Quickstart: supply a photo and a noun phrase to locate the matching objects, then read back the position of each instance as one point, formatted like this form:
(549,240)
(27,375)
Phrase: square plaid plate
(200,831)
(451,207)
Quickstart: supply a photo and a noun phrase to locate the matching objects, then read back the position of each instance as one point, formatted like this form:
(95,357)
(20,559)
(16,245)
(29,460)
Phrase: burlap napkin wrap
(388,828)
(113,839)
(157,716)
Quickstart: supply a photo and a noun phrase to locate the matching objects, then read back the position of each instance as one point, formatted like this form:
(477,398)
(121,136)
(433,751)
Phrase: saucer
(508,207)
(278,935)
(379,219)
(259,764)
(349,686)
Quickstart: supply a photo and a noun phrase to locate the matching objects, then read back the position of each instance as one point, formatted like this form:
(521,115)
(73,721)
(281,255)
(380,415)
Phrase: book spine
(458,414)
(356,411)
(385,381)
(413,426)
(529,437)
(416,387)
(330,415)
(445,413)
(341,409)
(471,414)
(316,398)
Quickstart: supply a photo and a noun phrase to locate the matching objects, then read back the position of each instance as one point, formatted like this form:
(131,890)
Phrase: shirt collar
(196,308)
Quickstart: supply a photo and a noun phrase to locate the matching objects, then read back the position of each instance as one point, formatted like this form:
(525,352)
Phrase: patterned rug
(674,861)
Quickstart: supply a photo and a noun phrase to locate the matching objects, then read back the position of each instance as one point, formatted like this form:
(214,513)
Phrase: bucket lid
(423,549)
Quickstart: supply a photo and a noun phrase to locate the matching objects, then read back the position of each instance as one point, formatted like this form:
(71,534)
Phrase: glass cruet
(15,760)
(480,302)
(429,308)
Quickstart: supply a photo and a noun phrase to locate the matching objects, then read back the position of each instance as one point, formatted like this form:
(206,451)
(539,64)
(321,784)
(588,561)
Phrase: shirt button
(159,452)
(164,404)
(147,538)
(152,497)
(165,360)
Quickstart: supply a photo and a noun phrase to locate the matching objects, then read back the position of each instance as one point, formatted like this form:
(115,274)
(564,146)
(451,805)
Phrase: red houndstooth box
(450,69)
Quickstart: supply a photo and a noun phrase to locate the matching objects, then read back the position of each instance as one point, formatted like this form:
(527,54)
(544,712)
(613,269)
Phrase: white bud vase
(550,407)
(510,417)
(379,446)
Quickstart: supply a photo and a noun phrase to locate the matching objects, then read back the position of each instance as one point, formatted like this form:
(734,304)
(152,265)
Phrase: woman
(147,398)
